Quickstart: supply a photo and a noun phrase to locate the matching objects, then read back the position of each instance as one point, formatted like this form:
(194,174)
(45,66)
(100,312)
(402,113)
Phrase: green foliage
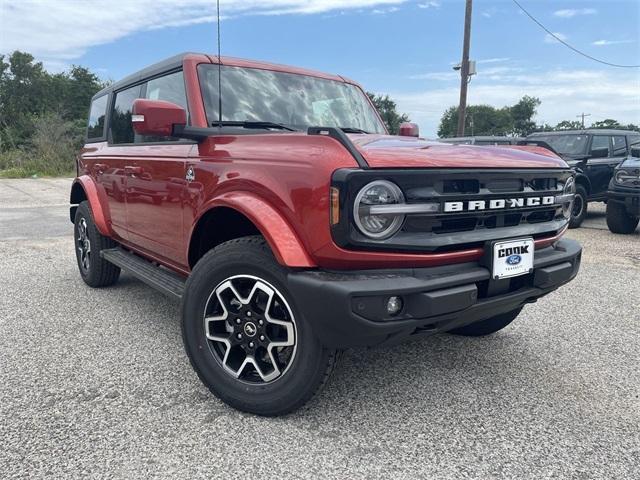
(515,120)
(389,112)
(522,114)
(577,125)
(42,116)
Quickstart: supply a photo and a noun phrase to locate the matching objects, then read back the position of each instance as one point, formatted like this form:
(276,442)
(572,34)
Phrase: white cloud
(384,11)
(572,12)
(431,4)
(550,38)
(564,93)
(601,43)
(63,30)
(494,60)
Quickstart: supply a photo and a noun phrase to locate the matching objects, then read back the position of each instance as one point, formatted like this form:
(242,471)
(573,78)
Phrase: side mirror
(409,130)
(635,151)
(156,117)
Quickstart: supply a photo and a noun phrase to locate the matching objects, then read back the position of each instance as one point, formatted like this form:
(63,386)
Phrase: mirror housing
(409,130)
(157,117)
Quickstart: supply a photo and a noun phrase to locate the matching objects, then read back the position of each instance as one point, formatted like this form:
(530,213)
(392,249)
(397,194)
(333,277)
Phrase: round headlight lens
(628,178)
(569,189)
(378,226)
(621,176)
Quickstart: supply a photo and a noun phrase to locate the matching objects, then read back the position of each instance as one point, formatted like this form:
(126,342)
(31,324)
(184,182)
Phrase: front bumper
(347,309)
(629,197)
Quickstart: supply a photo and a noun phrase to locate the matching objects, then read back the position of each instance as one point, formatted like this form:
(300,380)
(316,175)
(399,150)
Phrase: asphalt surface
(95,383)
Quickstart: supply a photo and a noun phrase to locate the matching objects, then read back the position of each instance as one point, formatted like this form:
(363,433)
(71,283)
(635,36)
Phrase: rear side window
(619,145)
(121,127)
(97,114)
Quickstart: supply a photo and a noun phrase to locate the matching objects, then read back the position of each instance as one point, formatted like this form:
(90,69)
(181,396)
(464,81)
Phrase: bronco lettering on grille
(497,204)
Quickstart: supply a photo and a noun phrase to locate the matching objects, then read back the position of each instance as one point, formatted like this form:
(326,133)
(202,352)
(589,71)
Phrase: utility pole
(582,115)
(464,70)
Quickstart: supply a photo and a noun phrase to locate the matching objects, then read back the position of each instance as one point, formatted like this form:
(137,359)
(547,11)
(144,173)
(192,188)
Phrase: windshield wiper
(249,124)
(352,130)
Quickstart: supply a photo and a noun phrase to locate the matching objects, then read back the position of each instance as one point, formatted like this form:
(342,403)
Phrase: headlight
(569,189)
(378,226)
(627,178)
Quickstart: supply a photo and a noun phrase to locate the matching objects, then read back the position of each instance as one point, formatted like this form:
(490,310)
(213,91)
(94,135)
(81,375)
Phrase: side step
(166,281)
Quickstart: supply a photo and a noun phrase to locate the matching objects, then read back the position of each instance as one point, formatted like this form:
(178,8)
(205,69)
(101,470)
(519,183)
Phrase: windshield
(298,101)
(569,144)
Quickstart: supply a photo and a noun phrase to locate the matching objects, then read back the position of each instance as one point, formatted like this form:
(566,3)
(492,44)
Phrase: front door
(156,180)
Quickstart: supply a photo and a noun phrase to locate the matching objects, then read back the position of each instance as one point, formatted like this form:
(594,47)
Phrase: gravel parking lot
(95,383)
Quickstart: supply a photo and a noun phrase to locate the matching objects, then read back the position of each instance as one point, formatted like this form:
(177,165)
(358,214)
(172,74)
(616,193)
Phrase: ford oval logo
(514,259)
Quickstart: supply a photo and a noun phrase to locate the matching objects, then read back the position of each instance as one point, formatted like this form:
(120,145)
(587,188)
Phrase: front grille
(462,227)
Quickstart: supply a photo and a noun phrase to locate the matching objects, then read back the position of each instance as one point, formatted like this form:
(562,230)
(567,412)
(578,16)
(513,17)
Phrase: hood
(630,162)
(386,151)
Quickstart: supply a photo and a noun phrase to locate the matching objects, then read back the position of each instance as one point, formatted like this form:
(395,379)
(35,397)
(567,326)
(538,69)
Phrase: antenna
(219,71)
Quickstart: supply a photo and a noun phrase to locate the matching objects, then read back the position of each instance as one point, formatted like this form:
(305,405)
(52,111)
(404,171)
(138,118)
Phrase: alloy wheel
(250,328)
(578,205)
(84,245)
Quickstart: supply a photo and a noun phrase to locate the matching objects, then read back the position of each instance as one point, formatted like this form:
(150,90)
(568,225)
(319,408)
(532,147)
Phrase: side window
(121,128)
(97,114)
(619,145)
(169,88)
(600,146)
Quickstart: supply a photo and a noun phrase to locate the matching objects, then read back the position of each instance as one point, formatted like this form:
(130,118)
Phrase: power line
(571,46)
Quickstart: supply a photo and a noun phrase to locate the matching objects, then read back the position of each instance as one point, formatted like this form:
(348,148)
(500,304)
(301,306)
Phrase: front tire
(244,334)
(580,205)
(488,326)
(89,242)
(618,220)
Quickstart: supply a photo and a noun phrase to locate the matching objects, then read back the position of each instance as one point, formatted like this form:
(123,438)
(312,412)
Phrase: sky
(404,48)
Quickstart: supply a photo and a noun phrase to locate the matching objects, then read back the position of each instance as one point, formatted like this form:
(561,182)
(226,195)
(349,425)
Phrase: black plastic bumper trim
(344,308)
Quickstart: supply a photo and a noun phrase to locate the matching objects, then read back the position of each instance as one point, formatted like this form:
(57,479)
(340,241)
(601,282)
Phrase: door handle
(132,171)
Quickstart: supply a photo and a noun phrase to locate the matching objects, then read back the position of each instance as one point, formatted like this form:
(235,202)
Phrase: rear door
(156,181)
(600,165)
(106,170)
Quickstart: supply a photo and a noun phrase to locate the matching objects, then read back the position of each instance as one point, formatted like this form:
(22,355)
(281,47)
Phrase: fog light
(394,305)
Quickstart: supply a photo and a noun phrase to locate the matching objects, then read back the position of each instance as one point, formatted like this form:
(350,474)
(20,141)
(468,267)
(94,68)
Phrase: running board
(166,281)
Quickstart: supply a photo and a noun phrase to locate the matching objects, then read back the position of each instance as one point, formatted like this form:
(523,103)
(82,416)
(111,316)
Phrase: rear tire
(618,220)
(89,242)
(488,326)
(580,205)
(235,309)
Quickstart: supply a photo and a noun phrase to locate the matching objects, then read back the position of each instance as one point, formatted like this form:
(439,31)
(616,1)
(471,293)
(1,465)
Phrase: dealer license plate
(512,258)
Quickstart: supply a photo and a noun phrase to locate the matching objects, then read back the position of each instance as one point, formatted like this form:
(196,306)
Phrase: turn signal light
(335,205)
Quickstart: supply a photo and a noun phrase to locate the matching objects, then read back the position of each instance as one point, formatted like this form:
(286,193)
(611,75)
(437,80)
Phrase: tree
(607,123)
(388,110)
(488,120)
(480,120)
(569,125)
(28,92)
(522,114)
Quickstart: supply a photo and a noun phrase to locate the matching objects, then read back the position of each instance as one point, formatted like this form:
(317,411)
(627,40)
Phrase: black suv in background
(623,197)
(593,154)
(482,140)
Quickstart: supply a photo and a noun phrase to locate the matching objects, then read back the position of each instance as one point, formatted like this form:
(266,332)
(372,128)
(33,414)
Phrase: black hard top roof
(601,131)
(157,68)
